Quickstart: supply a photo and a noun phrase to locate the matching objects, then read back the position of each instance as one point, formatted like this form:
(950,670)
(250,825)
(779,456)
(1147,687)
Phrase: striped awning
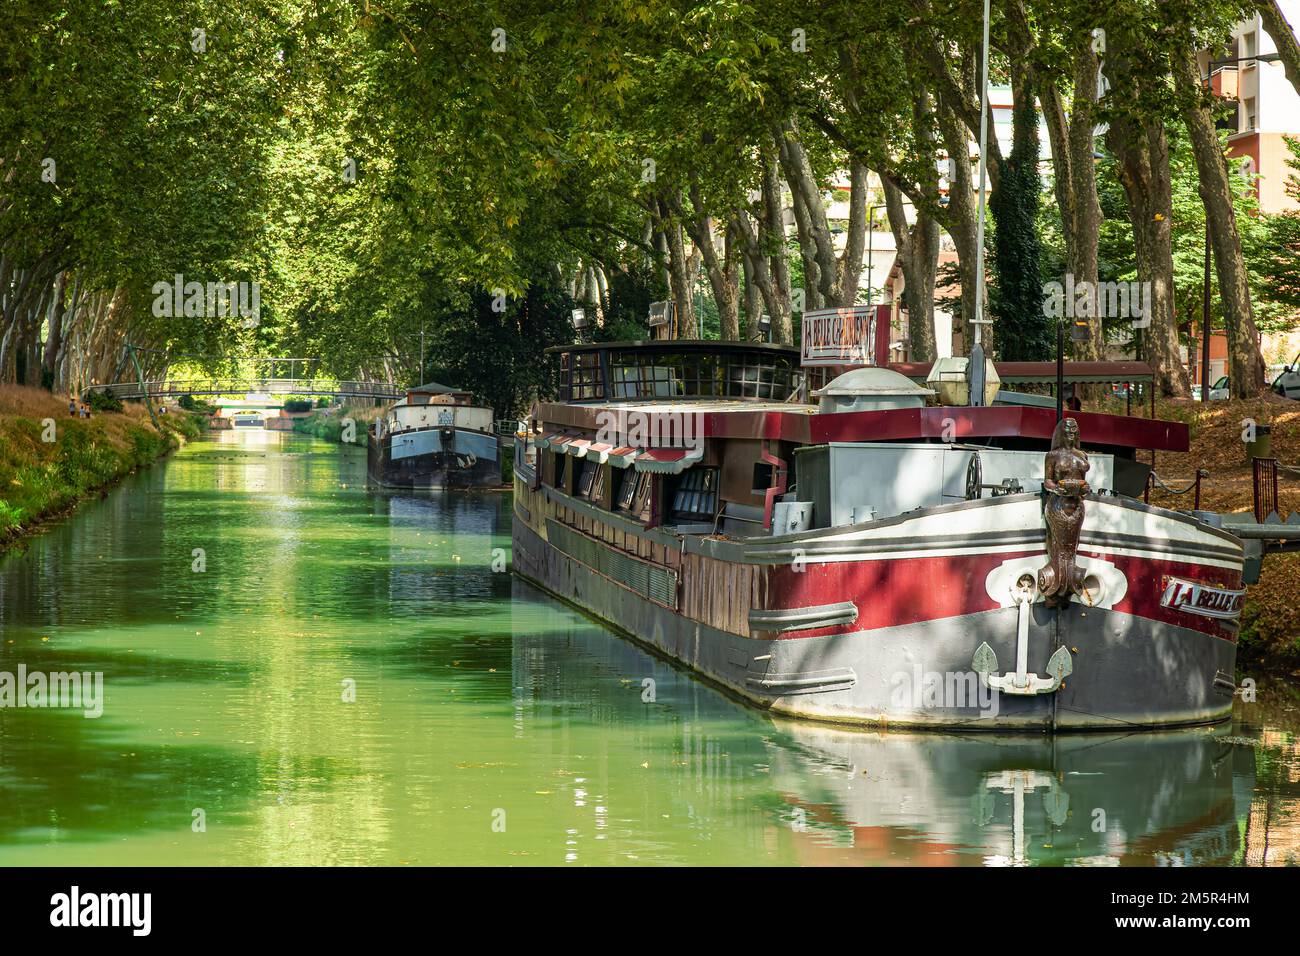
(555,441)
(622,456)
(598,452)
(668,461)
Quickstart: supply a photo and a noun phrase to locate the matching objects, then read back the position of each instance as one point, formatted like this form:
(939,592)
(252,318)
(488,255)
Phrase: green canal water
(491,724)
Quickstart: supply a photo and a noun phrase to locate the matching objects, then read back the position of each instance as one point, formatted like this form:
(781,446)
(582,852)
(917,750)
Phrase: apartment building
(1266,107)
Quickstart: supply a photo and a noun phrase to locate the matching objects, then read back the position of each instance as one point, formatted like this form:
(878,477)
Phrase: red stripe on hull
(902,591)
(1146,585)
(888,592)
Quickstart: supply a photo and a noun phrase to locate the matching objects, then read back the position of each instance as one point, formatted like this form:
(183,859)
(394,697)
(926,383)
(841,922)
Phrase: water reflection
(848,796)
(1173,797)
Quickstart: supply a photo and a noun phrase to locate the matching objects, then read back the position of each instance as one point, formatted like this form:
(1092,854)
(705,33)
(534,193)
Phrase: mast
(975,364)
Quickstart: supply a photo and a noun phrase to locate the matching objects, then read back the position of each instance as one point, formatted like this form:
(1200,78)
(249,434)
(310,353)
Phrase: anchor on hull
(1021,682)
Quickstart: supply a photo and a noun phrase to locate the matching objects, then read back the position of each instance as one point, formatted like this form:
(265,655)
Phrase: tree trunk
(722,270)
(54,341)
(1085,219)
(760,294)
(773,241)
(855,244)
(821,263)
(963,208)
(1246,360)
(679,278)
(918,257)
(753,295)
(1143,154)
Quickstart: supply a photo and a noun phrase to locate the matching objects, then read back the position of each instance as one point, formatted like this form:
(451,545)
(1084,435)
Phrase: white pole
(871,238)
(979,230)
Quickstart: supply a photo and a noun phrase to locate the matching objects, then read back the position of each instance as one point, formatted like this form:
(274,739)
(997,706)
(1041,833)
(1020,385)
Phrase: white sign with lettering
(1192,597)
(840,336)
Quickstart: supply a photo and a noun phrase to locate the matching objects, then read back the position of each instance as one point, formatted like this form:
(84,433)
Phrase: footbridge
(174,388)
(266,375)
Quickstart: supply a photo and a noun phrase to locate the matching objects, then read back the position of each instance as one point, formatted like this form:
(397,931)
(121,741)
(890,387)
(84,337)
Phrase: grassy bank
(40,479)
(1270,631)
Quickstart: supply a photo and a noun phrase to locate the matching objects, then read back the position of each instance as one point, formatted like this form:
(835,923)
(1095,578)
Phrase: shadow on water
(66,778)
(477,661)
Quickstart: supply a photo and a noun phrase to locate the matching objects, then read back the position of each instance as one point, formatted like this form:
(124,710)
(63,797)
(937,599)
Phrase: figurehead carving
(1063,480)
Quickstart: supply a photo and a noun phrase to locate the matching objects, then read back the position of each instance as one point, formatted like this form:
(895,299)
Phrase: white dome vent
(871,389)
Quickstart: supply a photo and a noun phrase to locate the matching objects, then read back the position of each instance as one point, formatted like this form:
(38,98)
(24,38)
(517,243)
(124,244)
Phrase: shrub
(103,402)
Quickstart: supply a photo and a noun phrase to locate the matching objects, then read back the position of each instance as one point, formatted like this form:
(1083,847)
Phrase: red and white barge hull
(881,623)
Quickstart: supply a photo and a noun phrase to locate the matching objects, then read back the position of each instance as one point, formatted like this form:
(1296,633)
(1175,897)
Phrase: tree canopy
(459,177)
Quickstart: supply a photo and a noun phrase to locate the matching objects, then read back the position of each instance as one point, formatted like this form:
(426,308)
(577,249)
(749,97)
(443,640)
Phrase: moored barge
(879,557)
(435,437)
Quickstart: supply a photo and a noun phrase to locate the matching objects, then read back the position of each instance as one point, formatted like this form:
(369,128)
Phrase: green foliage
(103,402)
(159,151)
(200,407)
(382,170)
(497,354)
(1016,299)
(328,426)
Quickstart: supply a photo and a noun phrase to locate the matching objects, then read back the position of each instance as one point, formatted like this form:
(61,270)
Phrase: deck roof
(803,424)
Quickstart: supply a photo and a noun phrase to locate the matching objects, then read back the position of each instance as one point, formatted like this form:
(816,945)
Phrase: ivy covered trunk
(1019,317)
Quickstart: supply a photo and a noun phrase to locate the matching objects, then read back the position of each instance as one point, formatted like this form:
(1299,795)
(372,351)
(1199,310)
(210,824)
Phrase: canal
(299,672)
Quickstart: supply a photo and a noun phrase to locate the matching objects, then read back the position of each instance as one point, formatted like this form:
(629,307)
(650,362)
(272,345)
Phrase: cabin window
(589,484)
(643,506)
(557,470)
(664,373)
(627,485)
(581,372)
(696,497)
(638,375)
(764,477)
(771,380)
(634,493)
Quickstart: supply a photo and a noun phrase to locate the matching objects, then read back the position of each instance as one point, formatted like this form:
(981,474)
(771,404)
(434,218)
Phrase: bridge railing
(166,388)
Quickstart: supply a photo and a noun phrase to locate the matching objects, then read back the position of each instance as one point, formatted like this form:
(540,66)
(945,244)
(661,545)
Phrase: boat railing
(1265,480)
(1193,485)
